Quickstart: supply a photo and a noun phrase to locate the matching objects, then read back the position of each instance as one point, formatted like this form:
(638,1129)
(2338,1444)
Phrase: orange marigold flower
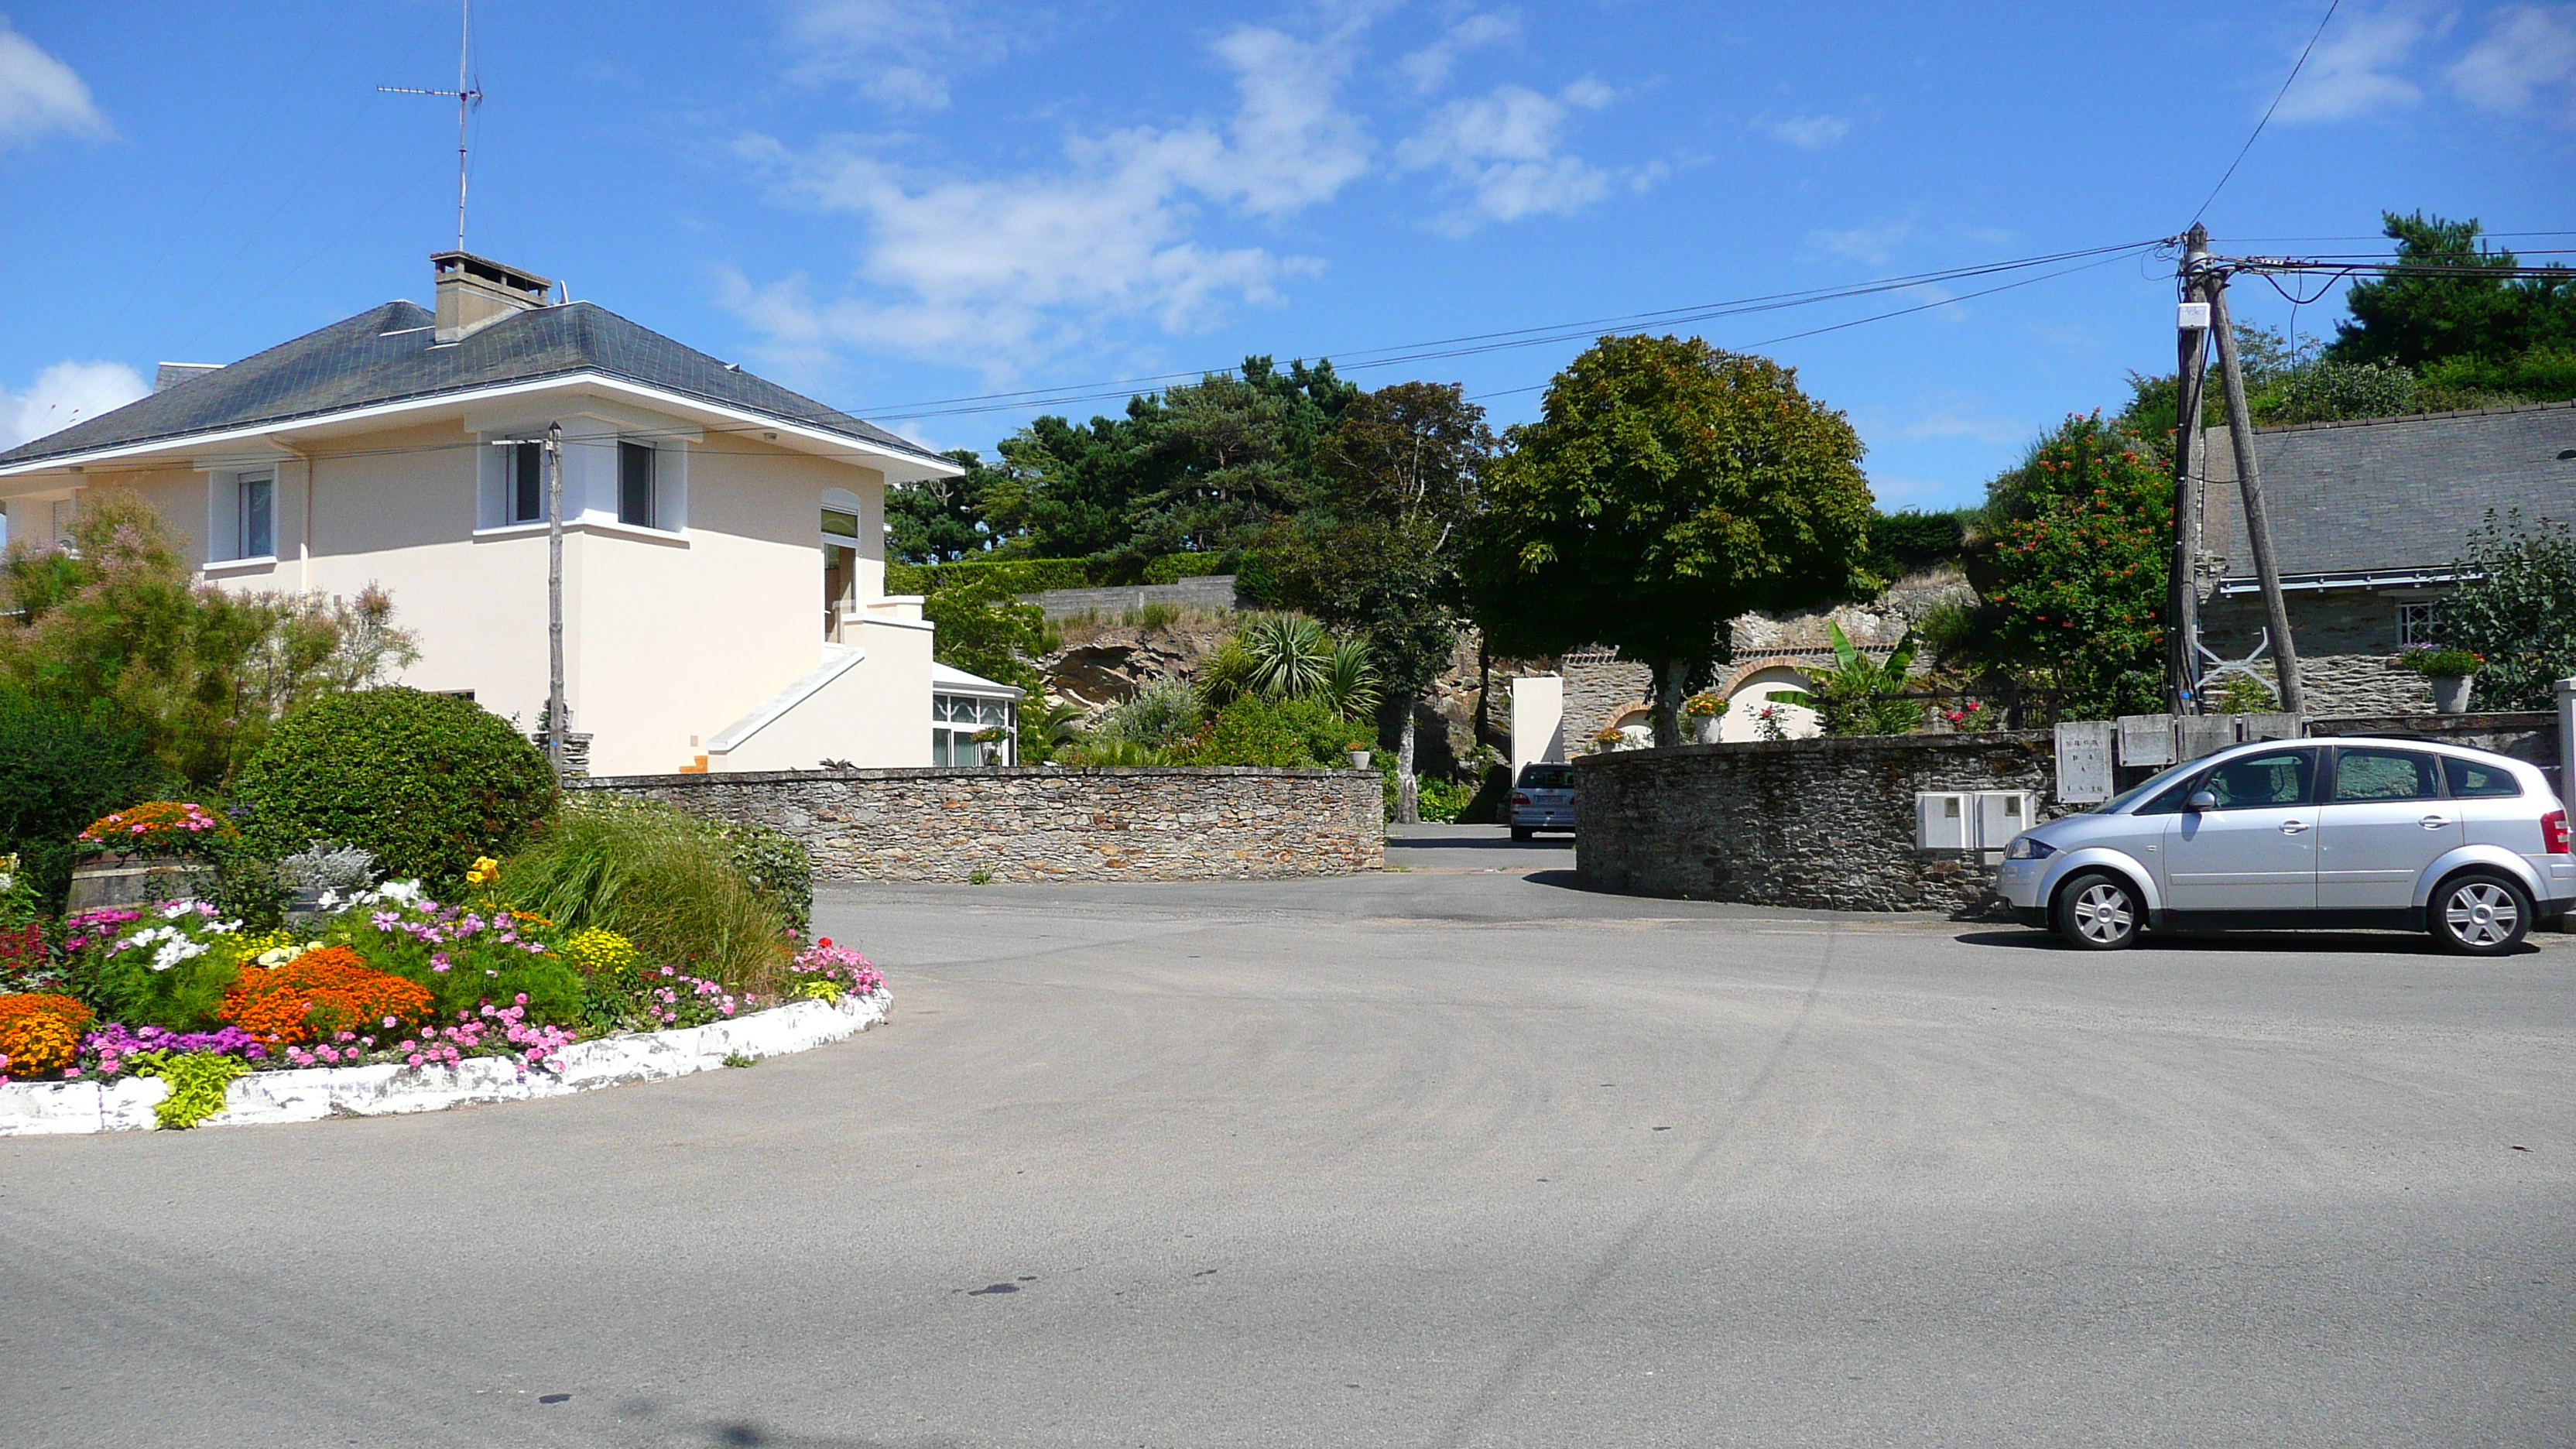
(39,1032)
(320,992)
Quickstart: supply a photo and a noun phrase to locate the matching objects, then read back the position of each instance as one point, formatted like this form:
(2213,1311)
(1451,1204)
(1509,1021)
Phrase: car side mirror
(2201,800)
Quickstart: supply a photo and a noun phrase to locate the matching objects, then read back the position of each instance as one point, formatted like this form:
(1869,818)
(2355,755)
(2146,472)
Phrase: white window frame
(2415,623)
(225,522)
(950,736)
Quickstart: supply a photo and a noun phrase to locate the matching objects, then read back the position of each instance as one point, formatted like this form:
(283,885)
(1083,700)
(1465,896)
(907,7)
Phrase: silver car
(2348,832)
(1542,799)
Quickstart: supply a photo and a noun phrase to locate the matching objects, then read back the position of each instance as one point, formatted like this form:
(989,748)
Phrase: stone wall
(1824,823)
(1048,824)
(1829,823)
(1208,591)
(2346,640)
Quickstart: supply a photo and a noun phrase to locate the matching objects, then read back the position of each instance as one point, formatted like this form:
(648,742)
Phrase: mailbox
(1970,819)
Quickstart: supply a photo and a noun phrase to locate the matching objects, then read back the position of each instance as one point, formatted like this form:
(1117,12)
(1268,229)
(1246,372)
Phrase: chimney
(170,374)
(474,293)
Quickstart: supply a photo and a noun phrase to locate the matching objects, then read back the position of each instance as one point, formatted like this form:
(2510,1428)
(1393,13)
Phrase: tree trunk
(1672,687)
(1408,794)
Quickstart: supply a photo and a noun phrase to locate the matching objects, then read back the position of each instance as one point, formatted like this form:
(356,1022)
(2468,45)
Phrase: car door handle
(2434,822)
(2293,827)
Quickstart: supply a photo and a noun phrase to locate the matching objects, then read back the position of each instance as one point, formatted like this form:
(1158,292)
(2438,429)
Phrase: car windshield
(1547,777)
(2155,782)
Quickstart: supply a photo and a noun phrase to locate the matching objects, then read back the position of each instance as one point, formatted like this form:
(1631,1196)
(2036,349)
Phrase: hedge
(1019,575)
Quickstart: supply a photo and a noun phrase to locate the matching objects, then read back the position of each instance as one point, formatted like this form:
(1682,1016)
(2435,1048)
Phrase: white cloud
(64,394)
(1001,272)
(1964,422)
(2528,49)
(39,94)
(1875,245)
(1808,133)
(1504,150)
(899,52)
(2353,70)
(1429,68)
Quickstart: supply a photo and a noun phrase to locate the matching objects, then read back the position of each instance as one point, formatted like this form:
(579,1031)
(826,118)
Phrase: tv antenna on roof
(465,95)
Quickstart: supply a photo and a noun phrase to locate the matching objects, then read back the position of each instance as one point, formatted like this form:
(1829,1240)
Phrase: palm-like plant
(1289,657)
(1861,695)
(1350,682)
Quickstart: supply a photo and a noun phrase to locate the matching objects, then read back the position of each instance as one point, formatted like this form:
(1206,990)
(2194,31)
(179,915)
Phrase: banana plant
(1860,695)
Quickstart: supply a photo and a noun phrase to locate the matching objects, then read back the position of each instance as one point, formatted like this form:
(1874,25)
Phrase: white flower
(175,950)
(330,900)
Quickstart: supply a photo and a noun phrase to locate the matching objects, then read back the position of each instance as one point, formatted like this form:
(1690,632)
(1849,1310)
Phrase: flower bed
(384,1000)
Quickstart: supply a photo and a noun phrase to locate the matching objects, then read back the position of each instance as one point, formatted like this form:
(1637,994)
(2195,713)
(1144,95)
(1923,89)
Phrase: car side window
(2282,777)
(2471,780)
(2363,775)
(2168,801)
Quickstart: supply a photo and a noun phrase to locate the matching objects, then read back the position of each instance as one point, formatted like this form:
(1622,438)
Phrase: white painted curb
(29,1109)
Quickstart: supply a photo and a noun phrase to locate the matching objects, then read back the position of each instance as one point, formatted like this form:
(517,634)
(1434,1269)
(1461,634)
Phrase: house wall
(1035,824)
(2346,639)
(668,637)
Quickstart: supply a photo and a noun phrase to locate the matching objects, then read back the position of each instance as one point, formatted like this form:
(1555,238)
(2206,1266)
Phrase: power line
(2300,65)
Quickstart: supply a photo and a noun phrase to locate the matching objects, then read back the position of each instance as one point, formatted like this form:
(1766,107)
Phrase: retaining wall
(1034,824)
(1206,591)
(1829,823)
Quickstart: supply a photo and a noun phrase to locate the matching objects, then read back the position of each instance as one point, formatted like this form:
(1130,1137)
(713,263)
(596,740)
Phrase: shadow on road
(2384,943)
(1563,844)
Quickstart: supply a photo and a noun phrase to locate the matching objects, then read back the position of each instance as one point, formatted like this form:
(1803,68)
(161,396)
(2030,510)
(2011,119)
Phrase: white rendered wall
(1538,722)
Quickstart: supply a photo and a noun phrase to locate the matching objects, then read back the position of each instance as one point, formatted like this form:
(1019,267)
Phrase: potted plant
(2451,672)
(161,850)
(1359,753)
(1702,710)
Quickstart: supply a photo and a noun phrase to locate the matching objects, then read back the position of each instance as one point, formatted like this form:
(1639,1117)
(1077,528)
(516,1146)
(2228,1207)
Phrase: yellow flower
(482,870)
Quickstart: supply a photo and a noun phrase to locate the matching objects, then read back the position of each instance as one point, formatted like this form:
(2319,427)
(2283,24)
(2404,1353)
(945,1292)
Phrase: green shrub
(1279,733)
(1157,716)
(427,782)
(1014,575)
(778,865)
(56,776)
(1171,568)
(662,878)
(1444,800)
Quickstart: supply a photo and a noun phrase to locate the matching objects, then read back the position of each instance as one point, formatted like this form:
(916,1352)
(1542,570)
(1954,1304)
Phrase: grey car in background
(1542,799)
(2348,832)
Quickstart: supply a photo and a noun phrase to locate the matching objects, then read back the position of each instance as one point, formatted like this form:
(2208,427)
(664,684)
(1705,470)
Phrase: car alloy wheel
(2097,913)
(2480,915)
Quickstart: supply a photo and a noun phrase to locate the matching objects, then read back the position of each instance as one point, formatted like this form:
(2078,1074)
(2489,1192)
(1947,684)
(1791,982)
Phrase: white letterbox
(2001,815)
(1943,820)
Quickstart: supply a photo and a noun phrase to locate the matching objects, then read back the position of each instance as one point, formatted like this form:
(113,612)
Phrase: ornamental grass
(661,878)
(39,1032)
(320,994)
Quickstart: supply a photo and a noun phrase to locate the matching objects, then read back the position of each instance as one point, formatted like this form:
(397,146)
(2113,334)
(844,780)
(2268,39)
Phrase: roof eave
(896,464)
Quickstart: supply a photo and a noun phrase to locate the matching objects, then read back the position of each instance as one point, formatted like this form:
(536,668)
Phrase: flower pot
(117,878)
(2451,695)
(1359,759)
(1704,728)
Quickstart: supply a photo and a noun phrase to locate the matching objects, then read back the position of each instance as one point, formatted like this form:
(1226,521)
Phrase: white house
(724,551)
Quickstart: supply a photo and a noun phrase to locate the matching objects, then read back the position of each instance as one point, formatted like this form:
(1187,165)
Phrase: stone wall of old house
(1830,823)
(2347,639)
(1048,824)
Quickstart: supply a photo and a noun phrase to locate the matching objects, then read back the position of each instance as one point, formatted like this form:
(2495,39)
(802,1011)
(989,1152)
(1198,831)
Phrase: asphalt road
(1415,1159)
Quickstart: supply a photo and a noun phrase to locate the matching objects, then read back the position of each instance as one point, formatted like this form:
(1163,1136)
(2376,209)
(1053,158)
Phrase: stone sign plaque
(2084,761)
(2147,739)
(2207,734)
(2271,727)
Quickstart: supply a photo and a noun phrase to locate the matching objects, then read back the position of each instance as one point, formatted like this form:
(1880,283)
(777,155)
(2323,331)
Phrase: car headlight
(2029,847)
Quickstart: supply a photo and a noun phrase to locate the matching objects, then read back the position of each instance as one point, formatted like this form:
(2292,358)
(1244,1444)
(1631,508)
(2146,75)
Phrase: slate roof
(2390,495)
(385,355)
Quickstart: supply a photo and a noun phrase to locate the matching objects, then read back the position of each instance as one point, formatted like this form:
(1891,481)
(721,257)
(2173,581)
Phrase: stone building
(2369,519)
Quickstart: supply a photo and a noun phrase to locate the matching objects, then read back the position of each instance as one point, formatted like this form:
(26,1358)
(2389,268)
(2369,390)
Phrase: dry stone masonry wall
(1050,824)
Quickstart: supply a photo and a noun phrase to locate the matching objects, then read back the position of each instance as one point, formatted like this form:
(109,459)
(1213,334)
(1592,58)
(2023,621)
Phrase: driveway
(1413,1159)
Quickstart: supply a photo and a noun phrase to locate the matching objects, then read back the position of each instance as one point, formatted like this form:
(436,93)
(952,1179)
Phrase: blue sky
(888,202)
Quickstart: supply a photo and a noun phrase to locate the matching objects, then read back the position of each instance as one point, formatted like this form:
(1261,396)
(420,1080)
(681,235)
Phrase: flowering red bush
(39,1032)
(158,825)
(319,994)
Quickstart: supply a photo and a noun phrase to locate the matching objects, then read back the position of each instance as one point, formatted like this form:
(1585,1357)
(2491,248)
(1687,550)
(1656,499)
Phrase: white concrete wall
(1538,721)
(874,713)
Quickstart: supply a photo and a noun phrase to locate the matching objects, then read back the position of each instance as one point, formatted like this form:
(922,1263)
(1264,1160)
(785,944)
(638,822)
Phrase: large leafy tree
(941,520)
(2466,327)
(1377,548)
(1666,488)
(118,632)
(2080,537)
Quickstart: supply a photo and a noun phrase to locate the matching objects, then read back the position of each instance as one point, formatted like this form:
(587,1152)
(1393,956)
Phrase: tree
(1666,488)
(984,629)
(2517,611)
(2466,329)
(2078,558)
(118,631)
(941,520)
(1376,551)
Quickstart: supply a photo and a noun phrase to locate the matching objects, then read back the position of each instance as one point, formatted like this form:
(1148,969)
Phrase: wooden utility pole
(2249,485)
(2182,612)
(557,721)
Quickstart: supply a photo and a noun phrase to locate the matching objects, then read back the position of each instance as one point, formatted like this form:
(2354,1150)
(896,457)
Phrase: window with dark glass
(635,484)
(2362,775)
(256,528)
(2473,781)
(2286,777)
(527,464)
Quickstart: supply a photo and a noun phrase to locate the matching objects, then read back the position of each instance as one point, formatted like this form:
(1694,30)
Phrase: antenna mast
(465,95)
